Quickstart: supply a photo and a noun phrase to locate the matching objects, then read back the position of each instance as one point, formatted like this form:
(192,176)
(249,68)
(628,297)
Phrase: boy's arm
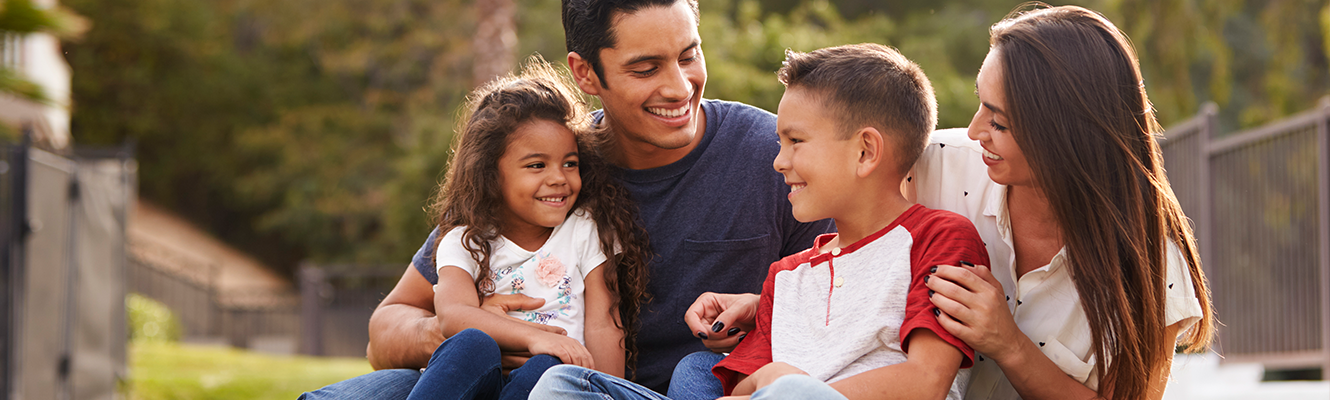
(604,338)
(754,351)
(459,308)
(926,374)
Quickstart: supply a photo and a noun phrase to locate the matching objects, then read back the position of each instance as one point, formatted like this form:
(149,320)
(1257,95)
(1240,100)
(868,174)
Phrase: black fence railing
(336,303)
(1260,200)
(13,228)
(262,318)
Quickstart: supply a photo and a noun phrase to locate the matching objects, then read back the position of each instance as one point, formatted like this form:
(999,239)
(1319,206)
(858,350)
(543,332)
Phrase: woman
(1095,269)
(1103,266)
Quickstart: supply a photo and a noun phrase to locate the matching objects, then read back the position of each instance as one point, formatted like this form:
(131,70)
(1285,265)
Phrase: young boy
(853,310)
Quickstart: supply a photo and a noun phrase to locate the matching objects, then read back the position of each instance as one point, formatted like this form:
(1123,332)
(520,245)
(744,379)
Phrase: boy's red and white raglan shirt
(851,310)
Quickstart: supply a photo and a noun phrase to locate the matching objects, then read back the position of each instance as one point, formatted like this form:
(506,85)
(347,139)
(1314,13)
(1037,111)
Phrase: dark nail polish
(701,334)
(937,312)
(732,331)
(926,278)
(741,337)
(930,292)
(717,326)
(967,263)
(932,269)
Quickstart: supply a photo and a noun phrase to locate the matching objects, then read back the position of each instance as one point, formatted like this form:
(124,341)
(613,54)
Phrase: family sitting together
(1039,254)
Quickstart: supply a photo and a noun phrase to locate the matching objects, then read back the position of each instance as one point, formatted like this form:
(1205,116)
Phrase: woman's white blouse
(951,175)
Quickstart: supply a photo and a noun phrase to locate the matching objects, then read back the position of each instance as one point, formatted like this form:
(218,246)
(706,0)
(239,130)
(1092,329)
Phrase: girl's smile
(539,177)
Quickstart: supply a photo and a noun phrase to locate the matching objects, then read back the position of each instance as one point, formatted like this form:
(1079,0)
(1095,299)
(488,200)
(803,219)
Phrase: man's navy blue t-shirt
(716,219)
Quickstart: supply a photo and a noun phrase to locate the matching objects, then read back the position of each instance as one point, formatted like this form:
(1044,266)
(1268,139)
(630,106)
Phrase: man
(699,170)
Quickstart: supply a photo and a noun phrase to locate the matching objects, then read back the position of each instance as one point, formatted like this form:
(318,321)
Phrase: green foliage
(20,17)
(178,371)
(150,321)
(319,128)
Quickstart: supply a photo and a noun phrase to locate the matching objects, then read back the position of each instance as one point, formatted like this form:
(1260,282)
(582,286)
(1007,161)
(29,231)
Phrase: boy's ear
(583,74)
(872,151)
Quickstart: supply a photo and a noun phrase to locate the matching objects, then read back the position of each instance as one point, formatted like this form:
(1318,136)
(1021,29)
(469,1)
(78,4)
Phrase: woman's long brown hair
(1079,112)
(470,196)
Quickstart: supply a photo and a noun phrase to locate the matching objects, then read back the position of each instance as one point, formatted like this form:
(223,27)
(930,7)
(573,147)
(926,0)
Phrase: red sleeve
(754,351)
(940,238)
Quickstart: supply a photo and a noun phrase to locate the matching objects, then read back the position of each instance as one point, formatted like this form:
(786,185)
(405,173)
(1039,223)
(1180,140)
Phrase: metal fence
(1260,200)
(264,319)
(336,303)
(62,221)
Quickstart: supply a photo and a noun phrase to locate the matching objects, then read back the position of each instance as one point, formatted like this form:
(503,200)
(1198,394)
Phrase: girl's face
(538,175)
(990,126)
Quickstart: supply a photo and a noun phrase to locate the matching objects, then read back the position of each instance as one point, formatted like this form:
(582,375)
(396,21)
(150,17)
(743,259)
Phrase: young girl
(528,207)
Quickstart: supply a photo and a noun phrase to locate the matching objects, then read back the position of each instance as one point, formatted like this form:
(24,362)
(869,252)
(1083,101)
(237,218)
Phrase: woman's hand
(721,320)
(567,349)
(974,309)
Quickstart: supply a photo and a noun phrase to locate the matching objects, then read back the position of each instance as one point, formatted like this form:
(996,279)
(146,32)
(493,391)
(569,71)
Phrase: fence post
(1323,139)
(15,262)
(312,282)
(1204,225)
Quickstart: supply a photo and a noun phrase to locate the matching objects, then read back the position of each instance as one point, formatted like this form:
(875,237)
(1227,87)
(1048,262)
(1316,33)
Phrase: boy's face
(655,75)
(818,164)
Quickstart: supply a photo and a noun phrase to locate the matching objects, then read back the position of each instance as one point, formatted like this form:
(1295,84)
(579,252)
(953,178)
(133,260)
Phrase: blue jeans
(577,383)
(387,384)
(693,380)
(467,366)
(797,387)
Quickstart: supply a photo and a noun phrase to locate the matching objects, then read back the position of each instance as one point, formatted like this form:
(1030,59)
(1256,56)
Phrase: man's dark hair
(587,30)
(869,85)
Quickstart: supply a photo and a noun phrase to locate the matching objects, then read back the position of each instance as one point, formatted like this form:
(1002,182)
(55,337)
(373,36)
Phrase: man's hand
(721,320)
(501,304)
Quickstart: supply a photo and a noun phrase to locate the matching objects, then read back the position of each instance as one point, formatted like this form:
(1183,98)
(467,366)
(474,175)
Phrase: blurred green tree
(319,129)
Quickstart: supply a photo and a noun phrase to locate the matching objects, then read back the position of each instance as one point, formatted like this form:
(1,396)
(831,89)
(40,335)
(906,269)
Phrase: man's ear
(583,74)
(872,150)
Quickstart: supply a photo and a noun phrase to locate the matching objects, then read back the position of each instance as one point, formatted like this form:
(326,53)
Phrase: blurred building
(37,57)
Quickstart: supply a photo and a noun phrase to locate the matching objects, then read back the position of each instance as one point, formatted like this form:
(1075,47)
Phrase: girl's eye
(995,125)
(536,165)
(570,164)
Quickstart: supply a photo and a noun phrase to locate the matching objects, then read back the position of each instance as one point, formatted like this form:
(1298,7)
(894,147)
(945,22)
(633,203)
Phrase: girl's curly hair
(470,197)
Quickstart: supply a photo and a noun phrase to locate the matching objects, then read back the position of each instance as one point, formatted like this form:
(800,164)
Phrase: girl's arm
(604,339)
(459,309)
(973,295)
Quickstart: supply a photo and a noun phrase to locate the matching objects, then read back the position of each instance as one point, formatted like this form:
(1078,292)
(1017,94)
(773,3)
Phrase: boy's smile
(817,162)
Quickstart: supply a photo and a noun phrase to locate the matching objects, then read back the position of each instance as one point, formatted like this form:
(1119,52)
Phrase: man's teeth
(991,156)
(551,199)
(667,113)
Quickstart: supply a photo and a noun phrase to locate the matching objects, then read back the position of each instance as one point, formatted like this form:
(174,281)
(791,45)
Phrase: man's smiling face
(653,78)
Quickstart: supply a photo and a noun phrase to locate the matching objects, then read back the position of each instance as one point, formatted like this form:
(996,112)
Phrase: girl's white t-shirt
(554,272)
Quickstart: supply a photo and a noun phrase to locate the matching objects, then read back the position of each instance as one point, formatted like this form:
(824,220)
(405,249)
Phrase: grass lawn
(163,370)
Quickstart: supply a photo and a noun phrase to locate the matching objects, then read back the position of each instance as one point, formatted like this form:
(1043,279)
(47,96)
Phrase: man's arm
(403,331)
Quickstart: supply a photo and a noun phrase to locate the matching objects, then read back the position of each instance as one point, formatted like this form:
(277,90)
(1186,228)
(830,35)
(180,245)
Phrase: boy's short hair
(869,85)
(587,30)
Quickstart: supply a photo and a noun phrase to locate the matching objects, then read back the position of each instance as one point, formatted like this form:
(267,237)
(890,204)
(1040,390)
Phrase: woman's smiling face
(991,127)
